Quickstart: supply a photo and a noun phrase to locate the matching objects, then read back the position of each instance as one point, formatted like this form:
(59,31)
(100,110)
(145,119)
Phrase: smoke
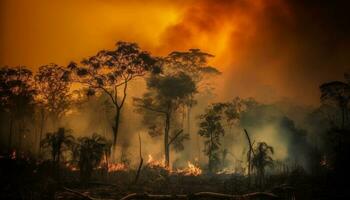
(267,49)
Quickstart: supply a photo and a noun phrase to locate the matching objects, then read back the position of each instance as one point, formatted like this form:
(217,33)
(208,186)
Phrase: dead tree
(250,152)
(141,162)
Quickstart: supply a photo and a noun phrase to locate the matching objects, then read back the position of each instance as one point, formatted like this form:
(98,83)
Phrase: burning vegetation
(70,127)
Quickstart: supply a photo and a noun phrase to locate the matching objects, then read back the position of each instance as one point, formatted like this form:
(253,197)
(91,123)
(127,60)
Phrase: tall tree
(110,72)
(336,93)
(53,95)
(165,96)
(16,98)
(211,128)
(194,63)
(249,156)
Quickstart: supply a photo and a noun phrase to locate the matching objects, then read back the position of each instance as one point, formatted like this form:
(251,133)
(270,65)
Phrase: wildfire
(13,155)
(324,162)
(190,170)
(71,167)
(114,167)
(156,163)
(227,171)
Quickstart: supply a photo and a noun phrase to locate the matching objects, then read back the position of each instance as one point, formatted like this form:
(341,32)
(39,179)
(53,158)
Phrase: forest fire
(226,171)
(13,155)
(190,170)
(153,163)
(71,167)
(188,99)
(115,167)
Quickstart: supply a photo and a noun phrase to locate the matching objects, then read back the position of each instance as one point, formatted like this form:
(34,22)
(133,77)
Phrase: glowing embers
(71,167)
(13,155)
(190,170)
(325,162)
(152,163)
(115,167)
(227,171)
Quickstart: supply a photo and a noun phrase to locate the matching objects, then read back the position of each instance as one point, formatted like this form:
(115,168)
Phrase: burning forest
(195,100)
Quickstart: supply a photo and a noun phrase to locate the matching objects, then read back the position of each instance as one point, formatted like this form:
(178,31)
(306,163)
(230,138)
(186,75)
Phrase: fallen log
(84,196)
(255,195)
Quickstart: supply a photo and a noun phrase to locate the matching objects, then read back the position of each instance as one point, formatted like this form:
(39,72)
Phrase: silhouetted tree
(233,112)
(336,93)
(194,63)
(89,153)
(16,99)
(110,72)
(211,128)
(262,159)
(58,142)
(53,95)
(166,94)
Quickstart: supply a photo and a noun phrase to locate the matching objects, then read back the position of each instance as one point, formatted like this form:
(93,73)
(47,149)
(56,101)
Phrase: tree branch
(152,109)
(177,134)
(84,196)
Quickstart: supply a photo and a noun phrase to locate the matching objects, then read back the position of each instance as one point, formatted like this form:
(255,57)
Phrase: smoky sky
(275,49)
(267,49)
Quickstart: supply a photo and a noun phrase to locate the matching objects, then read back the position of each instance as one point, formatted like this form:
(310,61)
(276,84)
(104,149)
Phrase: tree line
(37,102)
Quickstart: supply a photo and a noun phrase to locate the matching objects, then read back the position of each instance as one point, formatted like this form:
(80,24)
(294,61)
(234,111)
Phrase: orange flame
(13,155)
(190,170)
(156,163)
(71,167)
(227,171)
(114,167)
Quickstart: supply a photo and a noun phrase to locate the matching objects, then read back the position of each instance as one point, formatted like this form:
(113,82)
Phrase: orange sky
(269,49)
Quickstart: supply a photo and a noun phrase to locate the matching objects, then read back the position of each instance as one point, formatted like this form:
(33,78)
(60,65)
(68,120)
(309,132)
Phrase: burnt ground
(25,179)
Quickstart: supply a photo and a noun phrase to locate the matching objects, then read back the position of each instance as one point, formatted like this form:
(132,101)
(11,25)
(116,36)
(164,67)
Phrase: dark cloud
(285,47)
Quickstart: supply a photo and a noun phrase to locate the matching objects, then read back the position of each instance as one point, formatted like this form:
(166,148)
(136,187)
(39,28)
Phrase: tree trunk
(41,130)
(58,165)
(249,154)
(166,139)
(210,162)
(10,135)
(343,117)
(141,162)
(189,119)
(116,127)
(20,137)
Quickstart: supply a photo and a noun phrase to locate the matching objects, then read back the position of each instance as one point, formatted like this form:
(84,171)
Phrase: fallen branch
(84,196)
(254,195)
(102,183)
(174,138)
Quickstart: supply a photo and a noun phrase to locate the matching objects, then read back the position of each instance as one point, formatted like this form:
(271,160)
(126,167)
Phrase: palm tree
(90,152)
(261,159)
(58,142)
